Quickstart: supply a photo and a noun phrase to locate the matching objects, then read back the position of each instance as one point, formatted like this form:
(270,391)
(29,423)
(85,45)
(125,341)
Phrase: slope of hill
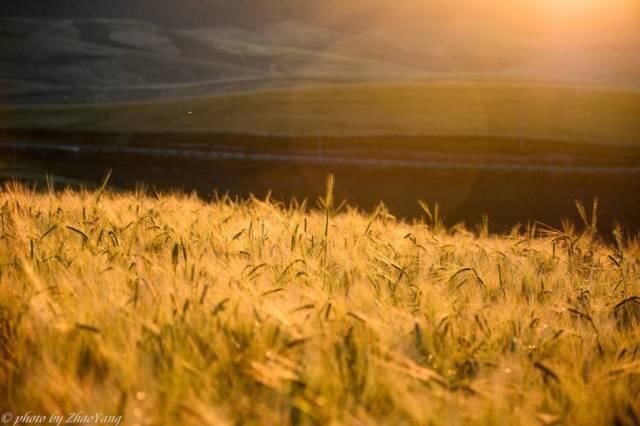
(514,112)
(76,52)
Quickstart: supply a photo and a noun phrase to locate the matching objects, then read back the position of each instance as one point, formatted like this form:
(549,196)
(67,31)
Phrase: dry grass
(471,109)
(169,310)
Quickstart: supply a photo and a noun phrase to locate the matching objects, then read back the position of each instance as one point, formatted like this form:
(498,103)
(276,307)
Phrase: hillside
(515,112)
(140,50)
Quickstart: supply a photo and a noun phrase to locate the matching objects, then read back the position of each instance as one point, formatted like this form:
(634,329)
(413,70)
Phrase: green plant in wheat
(167,310)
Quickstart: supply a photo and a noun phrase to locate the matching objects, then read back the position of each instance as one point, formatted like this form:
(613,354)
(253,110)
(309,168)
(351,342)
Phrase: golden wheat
(169,310)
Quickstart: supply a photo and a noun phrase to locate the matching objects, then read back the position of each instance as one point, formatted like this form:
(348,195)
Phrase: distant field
(517,111)
(170,311)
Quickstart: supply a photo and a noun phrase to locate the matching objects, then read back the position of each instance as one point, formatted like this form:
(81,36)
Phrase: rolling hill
(71,52)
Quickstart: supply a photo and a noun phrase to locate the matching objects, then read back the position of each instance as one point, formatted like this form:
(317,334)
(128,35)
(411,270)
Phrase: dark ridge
(371,147)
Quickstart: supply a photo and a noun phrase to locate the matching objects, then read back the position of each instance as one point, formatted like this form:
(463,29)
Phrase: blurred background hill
(73,51)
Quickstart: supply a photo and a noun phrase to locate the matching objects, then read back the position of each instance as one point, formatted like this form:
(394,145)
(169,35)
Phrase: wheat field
(168,310)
